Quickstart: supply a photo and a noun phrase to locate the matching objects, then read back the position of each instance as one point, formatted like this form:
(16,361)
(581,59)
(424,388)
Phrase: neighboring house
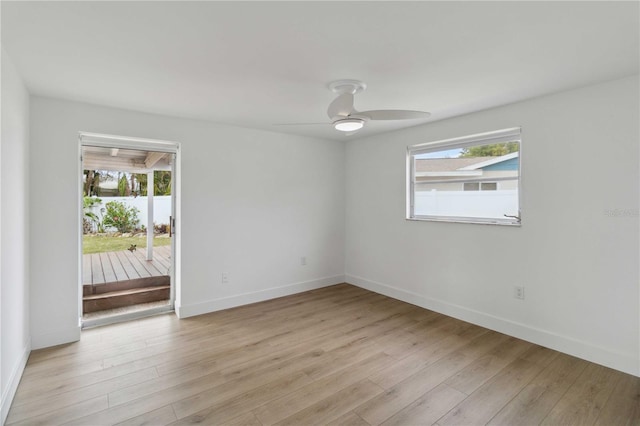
(467,173)
(108,188)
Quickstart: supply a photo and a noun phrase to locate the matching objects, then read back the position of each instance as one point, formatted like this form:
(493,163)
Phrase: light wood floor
(339,355)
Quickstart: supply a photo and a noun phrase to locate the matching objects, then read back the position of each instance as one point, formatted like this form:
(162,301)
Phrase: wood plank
(107,268)
(539,396)
(428,408)
(162,255)
(125,292)
(127,266)
(42,386)
(97,276)
(208,374)
(349,419)
(137,264)
(489,399)
(246,419)
(582,403)
(41,406)
(158,417)
(281,408)
(623,407)
(433,350)
(152,266)
(86,269)
(158,262)
(404,393)
(53,371)
(221,394)
(119,299)
(118,269)
(484,368)
(335,405)
(221,410)
(130,284)
(66,414)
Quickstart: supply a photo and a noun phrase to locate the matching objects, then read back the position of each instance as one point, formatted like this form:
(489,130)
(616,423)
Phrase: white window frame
(488,138)
(480,186)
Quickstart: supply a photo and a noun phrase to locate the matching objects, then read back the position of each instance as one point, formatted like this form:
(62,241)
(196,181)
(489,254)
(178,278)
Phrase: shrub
(90,219)
(163,228)
(120,216)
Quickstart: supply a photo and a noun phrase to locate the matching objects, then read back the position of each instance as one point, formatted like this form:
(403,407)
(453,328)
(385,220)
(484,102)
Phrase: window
(472,179)
(480,186)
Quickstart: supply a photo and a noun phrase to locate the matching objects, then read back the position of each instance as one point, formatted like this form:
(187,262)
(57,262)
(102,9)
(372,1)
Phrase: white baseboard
(57,337)
(14,381)
(185,311)
(620,361)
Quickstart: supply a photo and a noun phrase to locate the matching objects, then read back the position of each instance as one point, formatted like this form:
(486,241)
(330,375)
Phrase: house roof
(491,161)
(448,164)
(459,164)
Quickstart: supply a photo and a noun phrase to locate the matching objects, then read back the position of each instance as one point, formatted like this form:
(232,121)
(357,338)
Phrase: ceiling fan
(345,118)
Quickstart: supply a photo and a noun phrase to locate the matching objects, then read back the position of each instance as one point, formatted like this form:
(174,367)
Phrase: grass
(105,243)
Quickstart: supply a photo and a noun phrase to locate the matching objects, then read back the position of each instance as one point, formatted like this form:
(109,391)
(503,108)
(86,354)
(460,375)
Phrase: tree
(91,182)
(161,183)
(493,150)
(123,186)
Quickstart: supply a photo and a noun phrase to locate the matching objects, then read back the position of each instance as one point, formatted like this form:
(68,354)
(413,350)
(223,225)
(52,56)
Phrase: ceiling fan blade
(300,124)
(394,114)
(341,106)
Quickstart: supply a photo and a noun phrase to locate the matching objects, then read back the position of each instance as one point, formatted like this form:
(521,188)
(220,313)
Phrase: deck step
(93,289)
(121,298)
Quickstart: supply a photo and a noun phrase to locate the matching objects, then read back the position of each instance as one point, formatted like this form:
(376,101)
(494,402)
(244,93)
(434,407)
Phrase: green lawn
(104,243)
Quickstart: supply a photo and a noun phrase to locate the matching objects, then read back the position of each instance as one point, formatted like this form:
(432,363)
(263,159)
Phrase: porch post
(150,215)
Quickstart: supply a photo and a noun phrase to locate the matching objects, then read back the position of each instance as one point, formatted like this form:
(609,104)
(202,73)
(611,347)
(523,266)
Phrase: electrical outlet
(518,292)
(303,260)
(225,277)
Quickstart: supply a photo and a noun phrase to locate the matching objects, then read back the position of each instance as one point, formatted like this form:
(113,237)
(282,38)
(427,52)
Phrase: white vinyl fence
(161,208)
(488,204)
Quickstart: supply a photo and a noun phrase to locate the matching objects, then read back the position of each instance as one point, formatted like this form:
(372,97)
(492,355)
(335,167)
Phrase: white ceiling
(254,64)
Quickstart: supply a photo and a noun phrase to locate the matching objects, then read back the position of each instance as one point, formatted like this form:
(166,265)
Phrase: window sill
(474,220)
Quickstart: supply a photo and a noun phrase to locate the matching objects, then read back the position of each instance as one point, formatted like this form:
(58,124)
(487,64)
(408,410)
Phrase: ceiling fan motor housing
(347,86)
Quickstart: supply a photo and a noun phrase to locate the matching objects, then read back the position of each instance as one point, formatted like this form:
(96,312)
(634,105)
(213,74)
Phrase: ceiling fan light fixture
(349,124)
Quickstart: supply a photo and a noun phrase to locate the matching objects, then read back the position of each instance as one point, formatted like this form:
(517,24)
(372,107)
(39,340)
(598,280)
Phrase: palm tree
(161,183)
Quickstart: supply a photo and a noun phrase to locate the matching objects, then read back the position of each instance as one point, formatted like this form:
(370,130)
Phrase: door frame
(134,143)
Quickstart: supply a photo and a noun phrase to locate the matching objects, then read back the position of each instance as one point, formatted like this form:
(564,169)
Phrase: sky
(450,153)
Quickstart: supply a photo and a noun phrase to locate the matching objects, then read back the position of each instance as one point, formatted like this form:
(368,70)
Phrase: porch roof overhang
(125,160)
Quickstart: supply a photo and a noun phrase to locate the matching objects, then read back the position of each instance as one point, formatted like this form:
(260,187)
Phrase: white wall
(577,262)
(252,203)
(14,221)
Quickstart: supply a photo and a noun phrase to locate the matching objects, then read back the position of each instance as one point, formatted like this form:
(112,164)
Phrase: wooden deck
(101,268)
